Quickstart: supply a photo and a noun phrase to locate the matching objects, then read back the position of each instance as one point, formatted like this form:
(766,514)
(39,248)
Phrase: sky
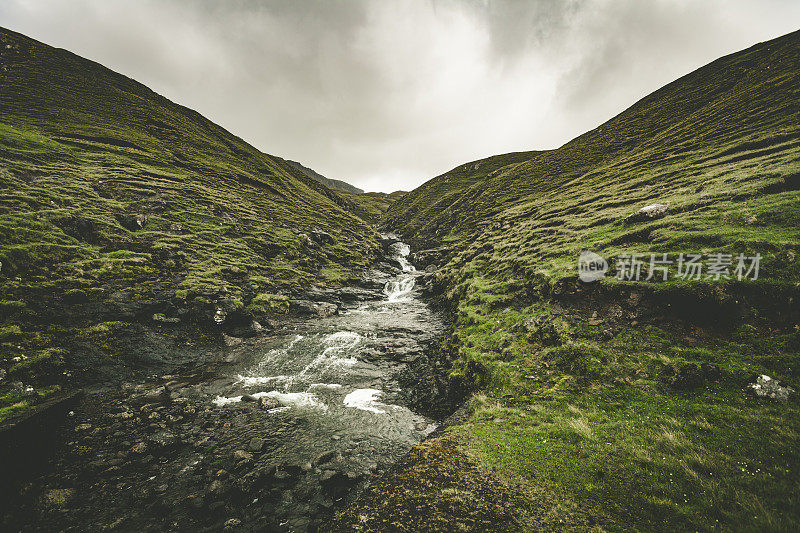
(387,94)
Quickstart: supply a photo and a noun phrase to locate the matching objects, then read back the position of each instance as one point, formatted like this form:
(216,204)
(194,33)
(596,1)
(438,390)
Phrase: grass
(111,194)
(579,392)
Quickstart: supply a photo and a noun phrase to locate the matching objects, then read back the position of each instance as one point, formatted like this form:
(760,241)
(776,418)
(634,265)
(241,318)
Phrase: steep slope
(121,209)
(337,185)
(426,209)
(623,404)
(371,206)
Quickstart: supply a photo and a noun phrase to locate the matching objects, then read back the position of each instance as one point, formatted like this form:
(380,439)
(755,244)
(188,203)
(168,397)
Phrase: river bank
(282,431)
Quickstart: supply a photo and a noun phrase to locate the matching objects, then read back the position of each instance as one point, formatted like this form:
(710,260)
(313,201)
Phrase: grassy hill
(620,405)
(337,185)
(120,209)
(371,206)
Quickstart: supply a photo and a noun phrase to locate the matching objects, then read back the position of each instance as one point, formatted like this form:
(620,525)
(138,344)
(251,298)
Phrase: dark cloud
(386,94)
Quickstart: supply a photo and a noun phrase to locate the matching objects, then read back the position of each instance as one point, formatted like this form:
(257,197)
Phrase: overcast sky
(387,94)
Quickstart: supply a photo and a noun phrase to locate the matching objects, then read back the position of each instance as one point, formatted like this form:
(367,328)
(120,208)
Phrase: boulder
(256,444)
(767,387)
(321,237)
(648,212)
(309,308)
(267,403)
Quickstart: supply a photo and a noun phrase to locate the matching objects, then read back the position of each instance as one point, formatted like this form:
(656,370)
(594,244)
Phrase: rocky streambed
(275,440)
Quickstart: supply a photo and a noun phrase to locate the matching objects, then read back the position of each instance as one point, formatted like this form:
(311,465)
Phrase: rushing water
(338,414)
(337,376)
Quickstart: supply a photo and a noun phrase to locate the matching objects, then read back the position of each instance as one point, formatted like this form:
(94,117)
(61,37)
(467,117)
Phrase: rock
(139,448)
(322,237)
(163,439)
(249,398)
(649,212)
(231,523)
(267,403)
(307,307)
(163,319)
(2,374)
(767,387)
(324,457)
(250,328)
(241,455)
(220,315)
(256,444)
(218,487)
(132,222)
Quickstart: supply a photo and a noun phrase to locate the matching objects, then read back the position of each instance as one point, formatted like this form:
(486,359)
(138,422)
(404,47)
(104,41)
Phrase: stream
(276,440)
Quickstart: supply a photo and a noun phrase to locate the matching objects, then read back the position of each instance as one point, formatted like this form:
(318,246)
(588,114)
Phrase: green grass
(575,394)
(84,151)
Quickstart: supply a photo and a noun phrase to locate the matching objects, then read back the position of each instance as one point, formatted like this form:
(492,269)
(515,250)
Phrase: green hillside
(337,185)
(620,405)
(371,206)
(120,209)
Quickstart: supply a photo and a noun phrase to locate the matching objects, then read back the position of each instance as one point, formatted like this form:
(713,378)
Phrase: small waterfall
(404,283)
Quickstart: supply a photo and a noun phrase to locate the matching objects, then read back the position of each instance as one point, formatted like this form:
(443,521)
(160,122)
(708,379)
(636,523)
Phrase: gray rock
(256,444)
(241,455)
(307,307)
(267,403)
(767,387)
(648,212)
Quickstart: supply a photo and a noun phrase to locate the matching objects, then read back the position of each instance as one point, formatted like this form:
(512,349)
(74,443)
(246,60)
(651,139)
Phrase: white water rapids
(339,373)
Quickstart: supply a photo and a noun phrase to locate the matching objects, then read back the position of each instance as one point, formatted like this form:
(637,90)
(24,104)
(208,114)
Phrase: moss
(40,366)
(266,305)
(10,333)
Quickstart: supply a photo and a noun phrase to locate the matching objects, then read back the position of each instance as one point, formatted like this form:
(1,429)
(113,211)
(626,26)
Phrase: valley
(200,336)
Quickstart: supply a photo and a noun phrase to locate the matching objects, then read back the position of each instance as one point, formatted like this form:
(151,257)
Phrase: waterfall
(404,283)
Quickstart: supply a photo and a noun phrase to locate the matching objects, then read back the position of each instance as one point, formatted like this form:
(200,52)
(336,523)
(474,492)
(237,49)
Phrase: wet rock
(159,395)
(163,440)
(766,387)
(649,212)
(374,279)
(309,308)
(355,294)
(268,403)
(2,374)
(256,444)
